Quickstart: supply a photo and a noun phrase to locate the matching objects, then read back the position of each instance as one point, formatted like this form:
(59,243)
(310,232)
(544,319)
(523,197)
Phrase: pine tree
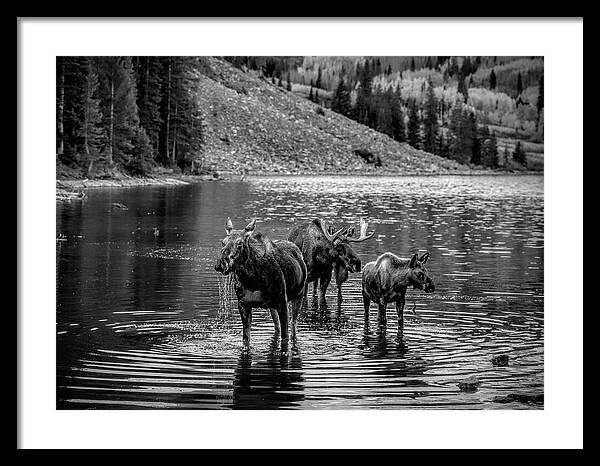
(71,88)
(60,106)
(472,133)
(489,148)
(363,108)
(444,147)
(141,160)
(519,155)
(477,148)
(374,101)
(462,133)
(111,79)
(126,118)
(91,128)
(149,84)
(453,67)
(398,126)
(492,80)
(466,68)
(519,84)
(414,125)
(430,120)
(317,97)
(340,102)
(310,94)
(186,128)
(540,103)
(318,83)
(289,82)
(540,98)
(383,115)
(462,87)
(412,64)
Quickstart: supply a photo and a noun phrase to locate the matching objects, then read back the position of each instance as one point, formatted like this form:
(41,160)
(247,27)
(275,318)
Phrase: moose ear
(414,261)
(228,226)
(250,227)
(424,257)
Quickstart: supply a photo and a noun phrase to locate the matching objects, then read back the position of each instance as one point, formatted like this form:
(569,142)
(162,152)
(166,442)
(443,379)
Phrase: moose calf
(386,280)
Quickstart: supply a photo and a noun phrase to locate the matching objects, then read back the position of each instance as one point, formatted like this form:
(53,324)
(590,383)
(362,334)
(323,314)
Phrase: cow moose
(386,280)
(325,250)
(268,274)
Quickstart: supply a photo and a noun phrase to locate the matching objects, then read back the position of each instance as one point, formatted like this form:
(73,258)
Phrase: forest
(486,111)
(136,115)
(127,114)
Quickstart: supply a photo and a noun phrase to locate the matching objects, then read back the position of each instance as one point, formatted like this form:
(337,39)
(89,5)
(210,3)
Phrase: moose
(268,274)
(386,280)
(325,250)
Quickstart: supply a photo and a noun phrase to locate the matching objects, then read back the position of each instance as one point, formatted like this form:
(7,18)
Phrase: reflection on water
(274,381)
(139,324)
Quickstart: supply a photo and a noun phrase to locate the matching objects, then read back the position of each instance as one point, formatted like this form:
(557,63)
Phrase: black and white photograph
(300,232)
(319,232)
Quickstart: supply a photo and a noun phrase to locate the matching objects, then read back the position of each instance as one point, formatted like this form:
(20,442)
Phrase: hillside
(505,94)
(253,124)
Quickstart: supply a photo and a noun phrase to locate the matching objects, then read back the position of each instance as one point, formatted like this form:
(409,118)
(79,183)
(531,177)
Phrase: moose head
(235,247)
(418,275)
(341,240)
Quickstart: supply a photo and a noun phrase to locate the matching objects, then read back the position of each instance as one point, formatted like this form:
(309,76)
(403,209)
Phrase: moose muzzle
(354,266)
(222,266)
(429,287)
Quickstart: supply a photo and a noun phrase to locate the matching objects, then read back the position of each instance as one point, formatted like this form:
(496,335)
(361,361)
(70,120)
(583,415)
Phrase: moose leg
(324,284)
(382,314)
(367,305)
(282,310)
(246,315)
(400,312)
(275,317)
(296,305)
(304,297)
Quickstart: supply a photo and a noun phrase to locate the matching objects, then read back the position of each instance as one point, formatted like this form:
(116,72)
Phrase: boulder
(500,360)
(469,384)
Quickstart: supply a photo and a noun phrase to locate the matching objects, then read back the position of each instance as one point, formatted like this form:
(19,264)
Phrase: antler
(251,225)
(363,232)
(330,236)
(228,226)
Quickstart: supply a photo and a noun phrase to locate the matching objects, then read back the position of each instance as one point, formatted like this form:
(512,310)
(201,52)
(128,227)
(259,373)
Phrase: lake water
(140,322)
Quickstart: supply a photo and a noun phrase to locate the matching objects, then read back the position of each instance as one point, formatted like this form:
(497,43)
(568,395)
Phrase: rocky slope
(255,125)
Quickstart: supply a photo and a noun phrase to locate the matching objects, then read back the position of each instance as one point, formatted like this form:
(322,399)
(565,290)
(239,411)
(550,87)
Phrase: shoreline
(64,184)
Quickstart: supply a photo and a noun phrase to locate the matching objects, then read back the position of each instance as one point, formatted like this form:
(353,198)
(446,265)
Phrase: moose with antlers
(325,250)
